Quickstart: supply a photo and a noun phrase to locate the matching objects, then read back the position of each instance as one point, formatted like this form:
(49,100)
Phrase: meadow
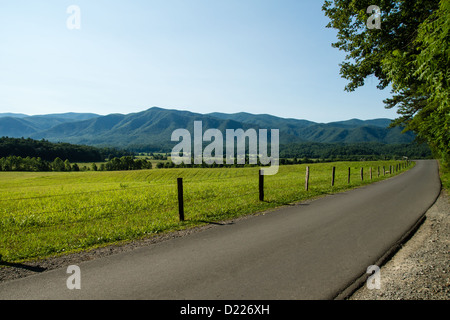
(51,213)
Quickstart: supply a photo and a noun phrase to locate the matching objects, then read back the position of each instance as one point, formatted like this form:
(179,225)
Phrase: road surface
(307,251)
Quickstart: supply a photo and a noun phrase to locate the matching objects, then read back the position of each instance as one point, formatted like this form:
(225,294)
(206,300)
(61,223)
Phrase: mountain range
(152,128)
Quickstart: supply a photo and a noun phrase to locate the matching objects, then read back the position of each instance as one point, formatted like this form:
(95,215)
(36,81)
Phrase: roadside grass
(52,213)
(445,177)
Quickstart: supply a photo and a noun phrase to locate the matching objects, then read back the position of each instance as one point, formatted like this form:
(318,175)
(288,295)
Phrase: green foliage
(58,165)
(432,67)
(127,163)
(48,151)
(410,53)
(355,151)
(421,81)
(445,177)
(367,48)
(67,166)
(13,163)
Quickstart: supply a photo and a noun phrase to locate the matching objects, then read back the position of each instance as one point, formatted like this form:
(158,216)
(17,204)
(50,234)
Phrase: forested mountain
(19,125)
(151,130)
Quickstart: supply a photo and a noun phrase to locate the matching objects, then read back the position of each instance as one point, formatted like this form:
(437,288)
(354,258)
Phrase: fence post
(261,185)
(333,174)
(180,199)
(370,170)
(307,179)
(378,171)
(362,174)
(348,176)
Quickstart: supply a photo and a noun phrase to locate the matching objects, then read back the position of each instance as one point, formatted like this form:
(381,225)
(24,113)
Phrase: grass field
(48,213)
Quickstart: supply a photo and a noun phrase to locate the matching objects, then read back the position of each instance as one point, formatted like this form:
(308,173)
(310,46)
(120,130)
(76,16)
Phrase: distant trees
(127,163)
(14,163)
(157,156)
(353,152)
(59,165)
(295,153)
(49,151)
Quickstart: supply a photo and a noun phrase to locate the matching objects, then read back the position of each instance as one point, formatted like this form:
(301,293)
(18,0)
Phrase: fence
(392,169)
(180,193)
(36,221)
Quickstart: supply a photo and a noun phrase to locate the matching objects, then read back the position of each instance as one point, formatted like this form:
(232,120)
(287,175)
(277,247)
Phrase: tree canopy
(48,151)
(409,52)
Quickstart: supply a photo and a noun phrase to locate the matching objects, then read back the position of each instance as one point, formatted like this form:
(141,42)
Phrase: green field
(48,213)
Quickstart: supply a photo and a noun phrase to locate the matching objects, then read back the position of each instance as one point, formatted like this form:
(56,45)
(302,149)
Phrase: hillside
(17,125)
(152,129)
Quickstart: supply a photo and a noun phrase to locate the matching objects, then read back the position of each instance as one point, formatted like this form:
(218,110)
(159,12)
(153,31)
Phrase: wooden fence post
(333,174)
(370,170)
(362,174)
(261,185)
(307,179)
(180,199)
(348,176)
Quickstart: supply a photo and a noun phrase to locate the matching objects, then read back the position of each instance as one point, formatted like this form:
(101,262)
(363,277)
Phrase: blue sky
(257,56)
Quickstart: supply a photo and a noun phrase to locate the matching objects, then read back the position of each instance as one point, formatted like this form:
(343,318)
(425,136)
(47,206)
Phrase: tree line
(32,155)
(16,163)
(49,151)
(355,151)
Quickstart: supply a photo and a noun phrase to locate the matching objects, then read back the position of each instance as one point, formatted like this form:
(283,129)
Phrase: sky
(257,56)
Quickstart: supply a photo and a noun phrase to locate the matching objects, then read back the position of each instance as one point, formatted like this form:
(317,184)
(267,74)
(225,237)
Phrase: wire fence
(38,224)
(292,183)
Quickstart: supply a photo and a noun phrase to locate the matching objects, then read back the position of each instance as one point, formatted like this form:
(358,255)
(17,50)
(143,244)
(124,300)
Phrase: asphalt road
(306,251)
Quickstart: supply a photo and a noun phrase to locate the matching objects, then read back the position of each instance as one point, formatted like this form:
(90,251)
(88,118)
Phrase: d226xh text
(246,309)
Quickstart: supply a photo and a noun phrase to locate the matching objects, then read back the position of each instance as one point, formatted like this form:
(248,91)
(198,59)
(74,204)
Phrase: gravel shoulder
(420,270)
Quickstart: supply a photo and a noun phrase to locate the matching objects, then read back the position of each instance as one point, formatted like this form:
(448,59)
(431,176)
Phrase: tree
(58,165)
(422,80)
(67,166)
(410,53)
(160,165)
